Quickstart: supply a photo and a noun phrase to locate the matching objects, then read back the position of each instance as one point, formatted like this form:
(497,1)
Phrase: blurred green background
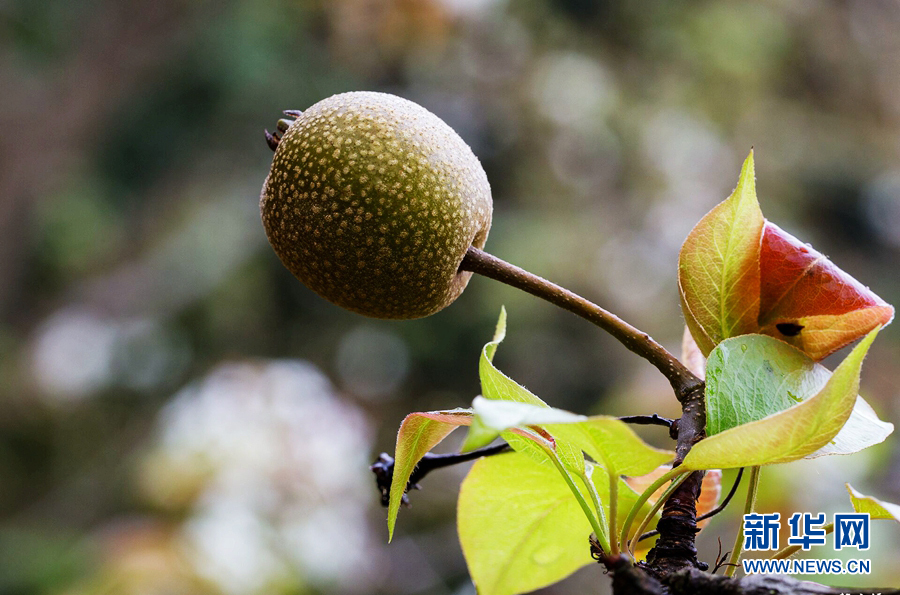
(179,415)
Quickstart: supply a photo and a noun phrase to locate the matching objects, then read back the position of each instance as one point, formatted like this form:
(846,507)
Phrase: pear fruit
(372,202)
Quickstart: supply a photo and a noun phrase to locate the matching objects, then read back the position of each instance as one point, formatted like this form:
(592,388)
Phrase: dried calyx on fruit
(372,201)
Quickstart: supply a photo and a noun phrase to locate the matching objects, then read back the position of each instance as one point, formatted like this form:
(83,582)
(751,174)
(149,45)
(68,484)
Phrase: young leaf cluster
(761,310)
(740,274)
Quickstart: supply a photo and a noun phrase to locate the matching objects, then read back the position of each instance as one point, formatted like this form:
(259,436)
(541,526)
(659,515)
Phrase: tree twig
(383,468)
(683,381)
(648,420)
(675,549)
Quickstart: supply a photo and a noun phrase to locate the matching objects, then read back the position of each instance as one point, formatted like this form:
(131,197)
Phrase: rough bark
(695,582)
(675,549)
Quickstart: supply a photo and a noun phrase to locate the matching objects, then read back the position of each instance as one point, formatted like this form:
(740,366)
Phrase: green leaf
(418,434)
(495,385)
(876,508)
(519,526)
(791,434)
(493,417)
(754,376)
(612,443)
(479,435)
(718,268)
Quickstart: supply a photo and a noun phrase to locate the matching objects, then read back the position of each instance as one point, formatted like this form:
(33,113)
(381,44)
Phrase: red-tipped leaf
(807,301)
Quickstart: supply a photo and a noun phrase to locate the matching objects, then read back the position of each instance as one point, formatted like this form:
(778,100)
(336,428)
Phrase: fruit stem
(683,381)
(272,139)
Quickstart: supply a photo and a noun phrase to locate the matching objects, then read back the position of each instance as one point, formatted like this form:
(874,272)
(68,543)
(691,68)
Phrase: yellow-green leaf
(753,376)
(877,509)
(495,385)
(519,526)
(790,434)
(612,443)
(718,268)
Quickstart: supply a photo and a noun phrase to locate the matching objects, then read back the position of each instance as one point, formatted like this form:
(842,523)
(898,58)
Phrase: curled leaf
(609,441)
(791,434)
(807,301)
(503,415)
(753,376)
(613,444)
(740,274)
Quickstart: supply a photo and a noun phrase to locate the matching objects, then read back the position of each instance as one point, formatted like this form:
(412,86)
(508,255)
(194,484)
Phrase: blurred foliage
(134,274)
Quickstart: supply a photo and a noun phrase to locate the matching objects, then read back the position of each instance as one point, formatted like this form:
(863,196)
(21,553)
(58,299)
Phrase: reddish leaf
(419,433)
(810,303)
(710,492)
(740,274)
(422,431)
(691,355)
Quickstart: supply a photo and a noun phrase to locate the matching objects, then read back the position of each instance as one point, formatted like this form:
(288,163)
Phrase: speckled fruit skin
(372,202)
